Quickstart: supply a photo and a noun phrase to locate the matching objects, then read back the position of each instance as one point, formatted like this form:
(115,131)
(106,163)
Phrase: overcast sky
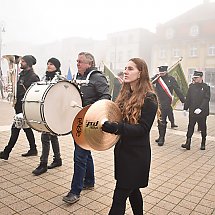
(42,21)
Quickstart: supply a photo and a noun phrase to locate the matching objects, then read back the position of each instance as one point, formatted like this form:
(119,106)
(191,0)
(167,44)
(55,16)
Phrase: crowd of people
(140,100)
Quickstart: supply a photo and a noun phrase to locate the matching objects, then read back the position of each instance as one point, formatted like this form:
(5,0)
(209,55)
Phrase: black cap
(197,74)
(55,62)
(162,68)
(30,60)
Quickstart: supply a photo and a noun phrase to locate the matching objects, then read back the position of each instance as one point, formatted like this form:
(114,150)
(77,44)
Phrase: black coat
(198,96)
(96,89)
(26,78)
(172,84)
(133,151)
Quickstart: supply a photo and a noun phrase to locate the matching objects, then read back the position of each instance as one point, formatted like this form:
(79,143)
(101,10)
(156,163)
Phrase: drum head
(59,109)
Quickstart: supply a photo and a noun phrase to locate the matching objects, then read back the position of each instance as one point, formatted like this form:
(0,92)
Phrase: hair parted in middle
(130,101)
(89,57)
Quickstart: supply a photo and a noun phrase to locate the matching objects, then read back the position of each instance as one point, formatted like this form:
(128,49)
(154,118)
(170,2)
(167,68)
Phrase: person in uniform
(93,86)
(197,101)
(165,85)
(132,154)
(26,78)
(53,67)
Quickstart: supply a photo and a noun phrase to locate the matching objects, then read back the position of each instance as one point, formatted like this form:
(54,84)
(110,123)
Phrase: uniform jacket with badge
(96,89)
(133,151)
(172,84)
(198,96)
(26,78)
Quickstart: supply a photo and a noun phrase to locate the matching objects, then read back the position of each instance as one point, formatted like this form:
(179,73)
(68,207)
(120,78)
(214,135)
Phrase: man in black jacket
(26,78)
(93,86)
(164,85)
(197,101)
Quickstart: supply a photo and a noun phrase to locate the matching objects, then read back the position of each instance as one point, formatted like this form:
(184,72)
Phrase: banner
(177,72)
(113,81)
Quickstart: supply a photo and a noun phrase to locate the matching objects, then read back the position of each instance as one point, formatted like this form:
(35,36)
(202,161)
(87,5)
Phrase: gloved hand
(185,113)
(197,111)
(110,127)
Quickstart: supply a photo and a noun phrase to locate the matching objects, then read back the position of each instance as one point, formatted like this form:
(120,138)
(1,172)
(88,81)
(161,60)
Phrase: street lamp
(2,30)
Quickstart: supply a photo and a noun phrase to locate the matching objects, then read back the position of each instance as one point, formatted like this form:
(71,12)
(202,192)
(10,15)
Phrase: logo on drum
(79,126)
(92,125)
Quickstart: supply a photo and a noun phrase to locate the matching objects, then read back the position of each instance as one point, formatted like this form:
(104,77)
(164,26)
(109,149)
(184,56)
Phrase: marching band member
(164,85)
(93,86)
(53,66)
(197,101)
(26,78)
(132,154)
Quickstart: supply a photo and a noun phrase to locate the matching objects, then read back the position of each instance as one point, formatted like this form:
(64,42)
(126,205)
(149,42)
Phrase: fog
(44,21)
(27,23)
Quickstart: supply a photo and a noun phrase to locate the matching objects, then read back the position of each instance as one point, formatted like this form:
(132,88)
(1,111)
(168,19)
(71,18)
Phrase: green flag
(113,81)
(177,72)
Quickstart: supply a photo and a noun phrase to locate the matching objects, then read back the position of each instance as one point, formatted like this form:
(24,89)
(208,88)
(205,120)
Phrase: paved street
(181,182)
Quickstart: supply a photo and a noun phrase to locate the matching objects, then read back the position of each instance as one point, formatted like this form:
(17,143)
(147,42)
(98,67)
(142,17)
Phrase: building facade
(192,37)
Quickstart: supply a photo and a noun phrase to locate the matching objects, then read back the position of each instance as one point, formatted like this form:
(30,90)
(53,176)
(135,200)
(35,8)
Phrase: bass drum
(52,107)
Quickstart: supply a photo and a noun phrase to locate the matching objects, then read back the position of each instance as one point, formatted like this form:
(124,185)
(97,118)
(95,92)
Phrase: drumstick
(74,104)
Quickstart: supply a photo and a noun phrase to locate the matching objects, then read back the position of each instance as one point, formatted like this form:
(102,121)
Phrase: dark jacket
(198,96)
(172,84)
(96,89)
(133,151)
(26,78)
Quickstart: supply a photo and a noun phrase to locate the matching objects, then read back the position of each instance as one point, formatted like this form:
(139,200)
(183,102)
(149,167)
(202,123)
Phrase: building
(192,37)
(121,46)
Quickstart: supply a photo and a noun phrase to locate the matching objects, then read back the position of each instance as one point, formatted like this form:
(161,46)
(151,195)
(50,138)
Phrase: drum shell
(47,107)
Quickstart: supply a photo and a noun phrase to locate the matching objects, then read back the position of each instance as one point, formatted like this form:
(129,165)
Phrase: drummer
(27,76)
(96,88)
(53,67)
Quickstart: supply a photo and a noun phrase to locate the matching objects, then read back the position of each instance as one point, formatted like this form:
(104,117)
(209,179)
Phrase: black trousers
(171,116)
(46,138)
(201,123)
(14,136)
(119,201)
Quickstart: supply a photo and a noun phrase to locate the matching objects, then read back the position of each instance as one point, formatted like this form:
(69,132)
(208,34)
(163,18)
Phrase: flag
(69,75)
(113,81)
(177,72)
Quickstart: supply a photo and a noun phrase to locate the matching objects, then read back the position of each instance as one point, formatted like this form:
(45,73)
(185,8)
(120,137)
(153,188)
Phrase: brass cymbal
(77,129)
(95,116)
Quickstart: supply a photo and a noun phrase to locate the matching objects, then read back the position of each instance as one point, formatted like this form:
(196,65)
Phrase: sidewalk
(181,182)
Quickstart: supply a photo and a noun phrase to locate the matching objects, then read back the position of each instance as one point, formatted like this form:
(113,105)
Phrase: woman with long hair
(132,154)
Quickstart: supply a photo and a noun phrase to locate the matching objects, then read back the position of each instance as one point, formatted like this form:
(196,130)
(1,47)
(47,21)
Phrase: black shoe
(174,126)
(31,152)
(88,187)
(160,143)
(157,140)
(71,198)
(55,163)
(42,168)
(185,146)
(4,156)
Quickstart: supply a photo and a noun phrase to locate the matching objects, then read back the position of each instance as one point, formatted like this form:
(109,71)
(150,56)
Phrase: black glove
(110,127)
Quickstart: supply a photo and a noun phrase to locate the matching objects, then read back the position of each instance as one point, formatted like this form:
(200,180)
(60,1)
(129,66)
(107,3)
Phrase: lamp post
(2,30)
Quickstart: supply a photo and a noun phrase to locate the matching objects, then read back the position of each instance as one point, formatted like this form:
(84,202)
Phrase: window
(193,51)
(176,52)
(162,53)
(211,50)
(190,74)
(169,33)
(194,30)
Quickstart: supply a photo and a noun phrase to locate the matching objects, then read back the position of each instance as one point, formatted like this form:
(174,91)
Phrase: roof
(202,12)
